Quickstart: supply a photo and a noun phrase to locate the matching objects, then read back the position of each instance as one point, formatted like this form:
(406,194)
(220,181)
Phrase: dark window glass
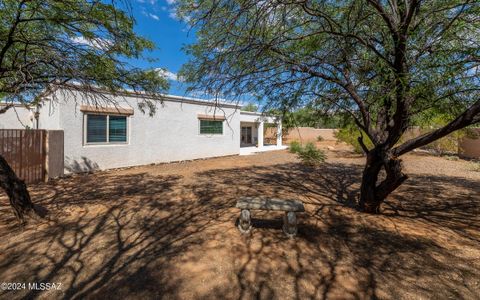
(211,127)
(96,128)
(117,129)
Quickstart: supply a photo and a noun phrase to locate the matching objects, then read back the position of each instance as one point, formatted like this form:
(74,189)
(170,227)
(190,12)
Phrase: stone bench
(290,207)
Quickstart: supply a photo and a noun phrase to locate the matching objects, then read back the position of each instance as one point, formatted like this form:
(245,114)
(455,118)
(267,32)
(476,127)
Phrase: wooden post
(46,156)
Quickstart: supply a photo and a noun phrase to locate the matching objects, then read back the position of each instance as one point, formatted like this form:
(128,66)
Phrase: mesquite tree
(381,62)
(79,45)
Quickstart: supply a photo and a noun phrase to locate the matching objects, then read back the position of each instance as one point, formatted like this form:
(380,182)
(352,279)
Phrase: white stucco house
(111,136)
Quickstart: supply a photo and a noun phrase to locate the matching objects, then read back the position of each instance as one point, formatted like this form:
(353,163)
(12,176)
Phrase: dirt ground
(168,231)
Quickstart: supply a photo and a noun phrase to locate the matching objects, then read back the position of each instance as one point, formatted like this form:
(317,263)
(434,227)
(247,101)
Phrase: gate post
(46,156)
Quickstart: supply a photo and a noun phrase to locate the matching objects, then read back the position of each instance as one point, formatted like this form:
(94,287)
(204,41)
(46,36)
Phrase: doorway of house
(246,136)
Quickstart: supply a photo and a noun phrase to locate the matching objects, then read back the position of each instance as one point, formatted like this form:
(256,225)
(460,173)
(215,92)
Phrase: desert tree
(381,62)
(79,46)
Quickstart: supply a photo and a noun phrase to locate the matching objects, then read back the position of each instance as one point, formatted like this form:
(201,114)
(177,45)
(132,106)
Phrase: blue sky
(156,21)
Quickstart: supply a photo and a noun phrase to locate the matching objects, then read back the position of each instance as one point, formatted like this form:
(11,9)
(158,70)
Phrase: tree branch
(468,117)
(6,108)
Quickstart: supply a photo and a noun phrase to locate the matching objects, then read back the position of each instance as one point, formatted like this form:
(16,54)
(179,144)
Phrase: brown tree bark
(17,192)
(372,193)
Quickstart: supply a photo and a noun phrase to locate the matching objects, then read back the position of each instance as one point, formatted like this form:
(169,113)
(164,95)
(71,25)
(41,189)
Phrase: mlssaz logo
(44,286)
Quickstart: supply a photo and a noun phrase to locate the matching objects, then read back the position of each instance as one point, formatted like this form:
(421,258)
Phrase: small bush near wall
(445,146)
(448,145)
(295,147)
(309,154)
(476,166)
(350,136)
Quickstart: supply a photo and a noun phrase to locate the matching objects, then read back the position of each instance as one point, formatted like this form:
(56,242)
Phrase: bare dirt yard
(168,231)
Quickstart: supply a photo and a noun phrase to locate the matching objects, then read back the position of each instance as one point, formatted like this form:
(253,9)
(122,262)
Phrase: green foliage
(295,147)
(435,120)
(475,166)
(350,135)
(367,59)
(46,44)
(250,107)
(309,154)
(320,138)
(312,117)
(472,133)
(452,157)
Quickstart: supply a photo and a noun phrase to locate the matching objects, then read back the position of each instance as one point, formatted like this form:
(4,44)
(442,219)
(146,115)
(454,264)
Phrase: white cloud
(98,43)
(169,75)
(173,14)
(154,16)
(150,15)
(171,2)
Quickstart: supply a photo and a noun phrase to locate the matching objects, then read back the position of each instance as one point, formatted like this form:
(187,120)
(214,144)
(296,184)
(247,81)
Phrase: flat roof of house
(210,102)
(173,98)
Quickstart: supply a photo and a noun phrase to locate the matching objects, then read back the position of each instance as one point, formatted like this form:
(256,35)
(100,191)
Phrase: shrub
(320,138)
(451,157)
(350,136)
(311,155)
(445,145)
(295,147)
(476,166)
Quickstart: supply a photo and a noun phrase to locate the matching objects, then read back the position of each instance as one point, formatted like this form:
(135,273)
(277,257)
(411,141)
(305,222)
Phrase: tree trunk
(17,192)
(372,194)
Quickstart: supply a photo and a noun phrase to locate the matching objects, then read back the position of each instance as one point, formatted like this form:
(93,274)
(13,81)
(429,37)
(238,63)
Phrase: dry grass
(168,231)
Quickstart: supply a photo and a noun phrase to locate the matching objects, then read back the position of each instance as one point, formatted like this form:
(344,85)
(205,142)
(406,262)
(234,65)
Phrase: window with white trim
(105,129)
(211,127)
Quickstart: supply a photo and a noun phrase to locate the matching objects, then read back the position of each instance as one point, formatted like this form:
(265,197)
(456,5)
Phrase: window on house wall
(211,127)
(106,129)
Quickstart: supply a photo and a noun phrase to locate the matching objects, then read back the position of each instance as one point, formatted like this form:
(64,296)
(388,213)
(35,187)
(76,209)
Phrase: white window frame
(85,124)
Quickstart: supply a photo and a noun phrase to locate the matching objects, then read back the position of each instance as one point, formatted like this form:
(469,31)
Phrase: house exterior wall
(254,127)
(171,134)
(17,117)
(49,115)
(254,117)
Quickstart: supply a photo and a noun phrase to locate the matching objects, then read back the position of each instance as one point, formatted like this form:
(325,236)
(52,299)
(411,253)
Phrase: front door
(246,135)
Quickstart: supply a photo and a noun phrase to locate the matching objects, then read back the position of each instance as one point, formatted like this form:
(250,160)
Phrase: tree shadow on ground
(144,236)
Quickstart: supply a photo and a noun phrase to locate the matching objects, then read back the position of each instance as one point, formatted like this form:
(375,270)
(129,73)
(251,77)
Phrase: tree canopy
(382,62)
(77,44)
(250,107)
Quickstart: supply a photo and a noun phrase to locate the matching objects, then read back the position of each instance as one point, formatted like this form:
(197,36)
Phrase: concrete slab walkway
(253,150)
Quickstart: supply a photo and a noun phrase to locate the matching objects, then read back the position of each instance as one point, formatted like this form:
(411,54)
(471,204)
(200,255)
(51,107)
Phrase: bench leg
(290,224)
(244,222)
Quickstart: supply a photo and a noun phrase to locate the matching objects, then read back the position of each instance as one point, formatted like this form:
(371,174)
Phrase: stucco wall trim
(106,110)
(211,117)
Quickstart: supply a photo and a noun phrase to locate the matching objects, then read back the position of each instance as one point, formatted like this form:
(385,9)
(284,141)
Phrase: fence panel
(25,152)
